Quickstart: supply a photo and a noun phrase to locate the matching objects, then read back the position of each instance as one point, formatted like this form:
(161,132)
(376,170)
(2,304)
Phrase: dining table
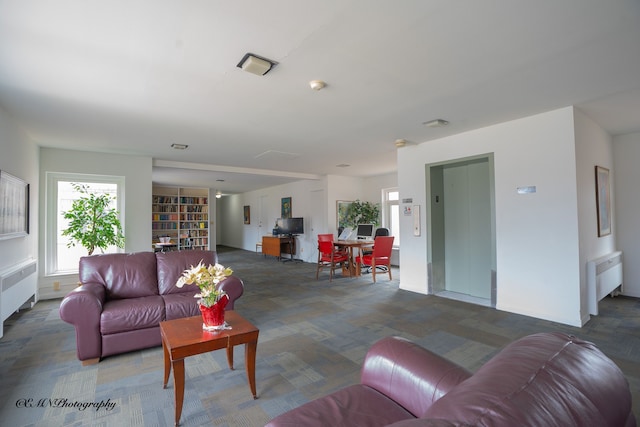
(353,246)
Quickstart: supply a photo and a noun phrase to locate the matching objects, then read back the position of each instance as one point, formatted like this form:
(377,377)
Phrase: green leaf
(92,223)
(363,213)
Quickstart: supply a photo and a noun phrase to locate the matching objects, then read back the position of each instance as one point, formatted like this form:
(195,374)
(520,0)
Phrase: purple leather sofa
(547,379)
(124,297)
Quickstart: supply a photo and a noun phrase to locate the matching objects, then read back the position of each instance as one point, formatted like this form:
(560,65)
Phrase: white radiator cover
(18,286)
(604,277)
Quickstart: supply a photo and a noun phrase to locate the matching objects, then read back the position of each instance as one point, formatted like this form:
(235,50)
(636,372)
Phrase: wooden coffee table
(185,337)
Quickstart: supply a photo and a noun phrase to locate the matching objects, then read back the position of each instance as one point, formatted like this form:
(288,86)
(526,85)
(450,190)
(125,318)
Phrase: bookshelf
(181,214)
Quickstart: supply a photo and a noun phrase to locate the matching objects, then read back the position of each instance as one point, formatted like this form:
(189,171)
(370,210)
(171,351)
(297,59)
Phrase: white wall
(626,153)
(137,203)
(373,186)
(593,147)
(19,158)
(537,237)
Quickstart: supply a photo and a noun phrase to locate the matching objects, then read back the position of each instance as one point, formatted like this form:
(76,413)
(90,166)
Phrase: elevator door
(462,231)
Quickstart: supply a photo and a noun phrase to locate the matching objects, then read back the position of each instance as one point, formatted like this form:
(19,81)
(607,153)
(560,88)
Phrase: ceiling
(136,76)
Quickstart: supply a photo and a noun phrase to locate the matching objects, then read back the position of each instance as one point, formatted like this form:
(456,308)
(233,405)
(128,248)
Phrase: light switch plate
(527,190)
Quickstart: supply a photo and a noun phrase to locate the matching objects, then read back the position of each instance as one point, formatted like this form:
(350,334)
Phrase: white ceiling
(135,76)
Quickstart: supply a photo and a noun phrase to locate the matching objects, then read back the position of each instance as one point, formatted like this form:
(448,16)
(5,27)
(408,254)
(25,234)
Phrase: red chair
(328,256)
(381,255)
(325,237)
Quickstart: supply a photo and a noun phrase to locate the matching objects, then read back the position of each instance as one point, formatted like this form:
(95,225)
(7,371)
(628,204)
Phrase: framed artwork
(285,208)
(342,208)
(247,215)
(14,207)
(603,201)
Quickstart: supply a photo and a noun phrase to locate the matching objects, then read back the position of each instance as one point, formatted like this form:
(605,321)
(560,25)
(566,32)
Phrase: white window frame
(51,202)
(386,210)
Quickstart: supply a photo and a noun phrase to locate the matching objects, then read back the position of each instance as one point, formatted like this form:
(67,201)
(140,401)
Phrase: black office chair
(382,231)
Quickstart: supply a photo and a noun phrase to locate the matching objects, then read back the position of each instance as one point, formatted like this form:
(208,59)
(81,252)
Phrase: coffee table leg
(230,356)
(250,365)
(178,384)
(167,365)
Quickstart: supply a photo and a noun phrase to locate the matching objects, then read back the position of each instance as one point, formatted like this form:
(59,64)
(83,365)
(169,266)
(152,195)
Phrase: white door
(264,222)
(317,222)
(467,229)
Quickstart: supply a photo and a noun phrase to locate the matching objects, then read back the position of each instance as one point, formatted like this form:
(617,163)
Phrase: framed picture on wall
(603,201)
(285,208)
(247,215)
(14,206)
(342,209)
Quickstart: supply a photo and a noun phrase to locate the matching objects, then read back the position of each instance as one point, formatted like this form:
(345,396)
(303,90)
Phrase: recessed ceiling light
(342,165)
(219,180)
(400,143)
(179,146)
(436,123)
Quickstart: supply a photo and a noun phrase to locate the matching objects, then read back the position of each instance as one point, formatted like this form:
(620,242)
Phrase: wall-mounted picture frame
(342,209)
(285,208)
(247,215)
(603,201)
(14,206)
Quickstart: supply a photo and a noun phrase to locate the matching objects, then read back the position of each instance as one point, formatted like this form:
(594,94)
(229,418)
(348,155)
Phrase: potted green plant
(92,222)
(363,213)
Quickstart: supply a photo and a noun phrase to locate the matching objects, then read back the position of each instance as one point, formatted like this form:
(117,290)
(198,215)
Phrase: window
(60,195)
(391,213)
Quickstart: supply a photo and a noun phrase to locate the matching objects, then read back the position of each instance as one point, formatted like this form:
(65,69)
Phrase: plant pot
(213,317)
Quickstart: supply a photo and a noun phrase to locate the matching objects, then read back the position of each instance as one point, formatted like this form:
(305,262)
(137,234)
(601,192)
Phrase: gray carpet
(313,338)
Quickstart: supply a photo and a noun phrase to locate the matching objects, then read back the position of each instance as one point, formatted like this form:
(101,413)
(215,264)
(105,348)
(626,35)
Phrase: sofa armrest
(234,287)
(411,375)
(82,308)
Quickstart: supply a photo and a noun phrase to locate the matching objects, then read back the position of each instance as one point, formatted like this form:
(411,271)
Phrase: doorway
(317,222)
(461,241)
(265,219)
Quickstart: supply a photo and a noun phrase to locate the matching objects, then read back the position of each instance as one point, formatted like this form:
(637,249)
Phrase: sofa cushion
(180,305)
(122,315)
(123,275)
(541,380)
(356,405)
(172,264)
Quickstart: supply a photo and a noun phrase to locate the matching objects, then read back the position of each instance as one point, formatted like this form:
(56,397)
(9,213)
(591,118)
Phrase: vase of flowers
(211,300)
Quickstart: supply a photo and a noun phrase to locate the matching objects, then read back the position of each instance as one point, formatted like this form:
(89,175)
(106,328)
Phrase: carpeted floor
(313,338)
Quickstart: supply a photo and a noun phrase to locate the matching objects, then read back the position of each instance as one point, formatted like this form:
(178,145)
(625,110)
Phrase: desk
(353,269)
(164,247)
(277,245)
(185,337)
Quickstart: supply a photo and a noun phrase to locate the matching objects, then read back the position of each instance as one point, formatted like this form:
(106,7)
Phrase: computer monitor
(365,231)
(346,234)
(290,226)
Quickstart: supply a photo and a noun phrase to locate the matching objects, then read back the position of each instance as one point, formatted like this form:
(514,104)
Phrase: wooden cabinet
(277,245)
(181,214)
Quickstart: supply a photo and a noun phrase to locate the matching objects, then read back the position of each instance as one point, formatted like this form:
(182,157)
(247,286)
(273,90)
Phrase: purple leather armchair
(124,297)
(547,379)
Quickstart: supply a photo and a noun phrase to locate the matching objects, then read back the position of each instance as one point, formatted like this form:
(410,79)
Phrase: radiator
(604,277)
(18,286)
